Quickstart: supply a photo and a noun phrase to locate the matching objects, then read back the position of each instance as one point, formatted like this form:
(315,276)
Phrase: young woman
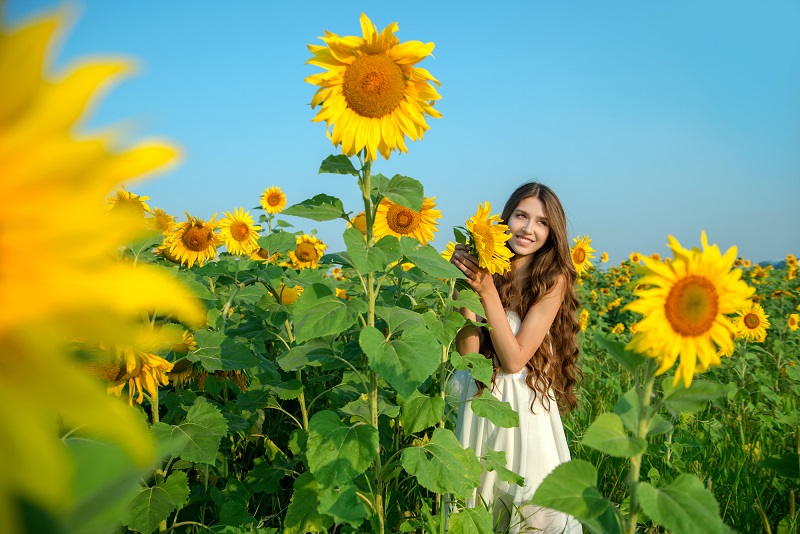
(531,312)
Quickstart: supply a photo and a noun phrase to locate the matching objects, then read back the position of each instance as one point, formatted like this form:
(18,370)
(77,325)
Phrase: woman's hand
(478,279)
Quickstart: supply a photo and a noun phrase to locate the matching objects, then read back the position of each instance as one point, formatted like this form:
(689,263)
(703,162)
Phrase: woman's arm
(514,352)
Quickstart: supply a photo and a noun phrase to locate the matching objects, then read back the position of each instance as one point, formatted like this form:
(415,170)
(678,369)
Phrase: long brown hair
(554,365)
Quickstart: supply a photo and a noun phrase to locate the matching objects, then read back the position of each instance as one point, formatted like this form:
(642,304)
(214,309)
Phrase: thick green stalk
(365,183)
(636,462)
(302,397)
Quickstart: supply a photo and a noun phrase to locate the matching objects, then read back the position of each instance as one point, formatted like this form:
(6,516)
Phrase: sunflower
(359,222)
(618,329)
(793,321)
(371,94)
(684,310)
(584,319)
(289,295)
(791,261)
(142,372)
(394,219)
(449,250)
(130,202)
(187,344)
(239,232)
(79,292)
(307,252)
(751,323)
(195,240)
(161,221)
(488,238)
(655,256)
(581,253)
(604,257)
(273,200)
(635,257)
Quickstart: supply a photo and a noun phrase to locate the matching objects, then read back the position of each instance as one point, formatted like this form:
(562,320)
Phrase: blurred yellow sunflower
(793,321)
(791,261)
(635,257)
(195,240)
(273,200)
(307,252)
(130,202)
(604,257)
(162,221)
(684,310)
(239,232)
(488,237)
(394,219)
(583,319)
(655,256)
(80,292)
(371,93)
(751,323)
(581,253)
(142,372)
(187,344)
(618,329)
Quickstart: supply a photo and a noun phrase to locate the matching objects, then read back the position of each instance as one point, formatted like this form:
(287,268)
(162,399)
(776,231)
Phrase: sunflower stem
(636,461)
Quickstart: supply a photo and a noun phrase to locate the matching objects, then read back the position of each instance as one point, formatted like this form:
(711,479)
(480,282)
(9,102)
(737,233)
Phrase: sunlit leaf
(404,191)
(572,488)
(218,352)
(496,461)
(680,399)
(203,430)
(302,515)
(683,507)
(337,164)
(337,453)
(318,208)
(419,412)
(476,520)
(500,413)
(607,435)
(319,312)
(442,465)
(341,503)
(404,362)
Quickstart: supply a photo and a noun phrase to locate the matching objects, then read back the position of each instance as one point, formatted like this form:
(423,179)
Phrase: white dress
(533,450)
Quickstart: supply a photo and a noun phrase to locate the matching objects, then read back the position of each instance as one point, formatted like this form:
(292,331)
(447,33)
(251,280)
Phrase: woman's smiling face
(528,227)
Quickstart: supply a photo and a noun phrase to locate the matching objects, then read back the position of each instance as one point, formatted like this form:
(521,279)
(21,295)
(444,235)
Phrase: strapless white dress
(533,450)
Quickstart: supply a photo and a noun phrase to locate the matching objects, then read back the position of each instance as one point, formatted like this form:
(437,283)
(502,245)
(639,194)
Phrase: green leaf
(312,354)
(302,515)
(251,294)
(405,191)
(153,505)
(377,187)
(609,522)
(399,319)
(496,461)
(572,488)
(339,164)
(787,465)
(341,503)
(428,259)
(444,328)
(203,430)
(146,241)
(479,366)
(476,520)
(370,259)
(500,413)
(630,360)
(679,399)
(218,352)
(265,476)
(442,465)
(607,435)
(319,208)
(470,300)
(360,407)
(404,362)
(419,412)
(627,408)
(278,242)
(682,507)
(337,453)
(319,312)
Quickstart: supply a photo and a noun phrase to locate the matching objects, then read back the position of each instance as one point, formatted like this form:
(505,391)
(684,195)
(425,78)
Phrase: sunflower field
(233,374)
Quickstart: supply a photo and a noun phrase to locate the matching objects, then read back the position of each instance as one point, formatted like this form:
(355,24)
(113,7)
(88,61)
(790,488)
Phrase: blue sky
(648,118)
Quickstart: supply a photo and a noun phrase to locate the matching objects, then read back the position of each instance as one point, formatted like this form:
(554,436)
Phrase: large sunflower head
(371,93)
(751,323)
(239,232)
(273,200)
(195,240)
(581,252)
(488,237)
(685,303)
(394,219)
(307,252)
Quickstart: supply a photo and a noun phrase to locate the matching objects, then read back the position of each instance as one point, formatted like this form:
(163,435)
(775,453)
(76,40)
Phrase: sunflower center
(197,238)
(484,237)
(263,253)
(402,220)
(751,321)
(373,85)
(578,255)
(692,306)
(274,199)
(240,231)
(306,252)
